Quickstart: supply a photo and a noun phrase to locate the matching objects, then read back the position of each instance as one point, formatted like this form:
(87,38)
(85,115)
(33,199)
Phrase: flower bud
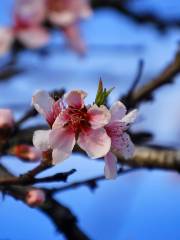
(26,152)
(35,197)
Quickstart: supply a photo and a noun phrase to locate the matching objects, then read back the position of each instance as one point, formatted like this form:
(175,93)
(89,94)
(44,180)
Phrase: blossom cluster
(97,130)
(29,17)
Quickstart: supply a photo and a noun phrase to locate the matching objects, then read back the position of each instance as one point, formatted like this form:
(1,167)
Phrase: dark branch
(62,217)
(140,18)
(25,180)
(145,93)
(91,183)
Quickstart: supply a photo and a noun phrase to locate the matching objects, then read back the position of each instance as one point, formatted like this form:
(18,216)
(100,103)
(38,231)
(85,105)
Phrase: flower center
(78,119)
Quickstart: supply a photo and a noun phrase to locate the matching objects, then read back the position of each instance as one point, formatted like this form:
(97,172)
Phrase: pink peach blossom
(66,14)
(27,28)
(120,140)
(29,15)
(6,118)
(29,12)
(35,197)
(75,123)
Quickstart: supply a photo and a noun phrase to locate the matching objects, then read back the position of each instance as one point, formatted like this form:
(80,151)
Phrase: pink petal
(66,12)
(115,129)
(6,40)
(130,117)
(31,12)
(43,103)
(61,18)
(74,39)
(75,98)
(118,111)
(62,141)
(124,145)
(98,116)
(35,37)
(85,9)
(110,169)
(60,120)
(95,142)
(41,139)
(6,118)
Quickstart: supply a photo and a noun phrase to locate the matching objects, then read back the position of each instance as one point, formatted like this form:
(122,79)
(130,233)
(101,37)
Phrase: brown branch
(151,158)
(91,182)
(145,93)
(28,180)
(140,18)
(61,216)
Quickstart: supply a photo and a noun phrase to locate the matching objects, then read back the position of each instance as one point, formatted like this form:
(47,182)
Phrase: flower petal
(130,117)
(6,118)
(98,116)
(118,111)
(75,98)
(110,169)
(41,139)
(124,146)
(6,39)
(60,120)
(62,140)
(62,18)
(95,142)
(34,37)
(43,103)
(31,12)
(74,39)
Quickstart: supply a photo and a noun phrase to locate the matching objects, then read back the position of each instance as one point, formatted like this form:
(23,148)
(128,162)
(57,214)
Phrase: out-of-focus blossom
(66,14)
(27,28)
(35,197)
(26,152)
(120,140)
(29,12)
(72,33)
(6,40)
(6,118)
(75,122)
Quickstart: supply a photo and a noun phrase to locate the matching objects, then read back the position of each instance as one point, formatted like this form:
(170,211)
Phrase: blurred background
(139,205)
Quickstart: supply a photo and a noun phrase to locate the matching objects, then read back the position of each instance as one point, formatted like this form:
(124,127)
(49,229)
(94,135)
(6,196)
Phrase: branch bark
(151,158)
(145,92)
(140,18)
(61,216)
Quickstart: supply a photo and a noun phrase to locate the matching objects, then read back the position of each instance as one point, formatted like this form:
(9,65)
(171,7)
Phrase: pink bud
(26,152)
(6,118)
(35,197)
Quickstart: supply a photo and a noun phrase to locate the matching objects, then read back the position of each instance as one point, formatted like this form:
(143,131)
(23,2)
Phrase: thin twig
(22,181)
(167,76)
(61,216)
(138,17)
(91,182)
(127,98)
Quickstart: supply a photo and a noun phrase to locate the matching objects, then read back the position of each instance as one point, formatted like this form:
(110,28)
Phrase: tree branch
(26,180)
(140,18)
(91,182)
(151,158)
(61,216)
(145,92)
